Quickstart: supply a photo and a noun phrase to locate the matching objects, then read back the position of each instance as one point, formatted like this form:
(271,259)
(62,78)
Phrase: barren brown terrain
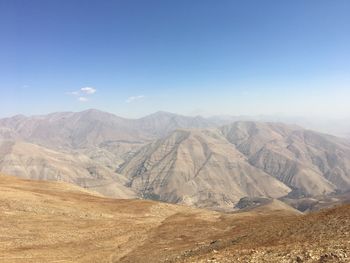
(177,159)
(44,221)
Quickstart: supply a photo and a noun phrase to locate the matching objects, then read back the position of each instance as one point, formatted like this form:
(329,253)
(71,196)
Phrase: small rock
(299,259)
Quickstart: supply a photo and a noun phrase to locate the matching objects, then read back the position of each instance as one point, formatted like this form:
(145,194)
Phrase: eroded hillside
(177,159)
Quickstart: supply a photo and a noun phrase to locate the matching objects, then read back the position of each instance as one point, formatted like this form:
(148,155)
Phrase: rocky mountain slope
(217,167)
(200,168)
(177,159)
(321,237)
(93,127)
(58,222)
(310,162)
(32,161)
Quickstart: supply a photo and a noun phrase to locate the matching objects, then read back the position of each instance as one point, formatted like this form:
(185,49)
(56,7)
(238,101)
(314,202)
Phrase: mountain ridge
(178,159)
(158,168)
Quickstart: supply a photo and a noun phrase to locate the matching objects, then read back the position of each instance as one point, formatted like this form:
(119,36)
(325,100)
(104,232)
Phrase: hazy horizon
(191,58)
(334,126)
(191,114)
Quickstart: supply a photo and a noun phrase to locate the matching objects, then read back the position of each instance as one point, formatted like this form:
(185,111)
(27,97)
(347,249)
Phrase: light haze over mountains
(203,162)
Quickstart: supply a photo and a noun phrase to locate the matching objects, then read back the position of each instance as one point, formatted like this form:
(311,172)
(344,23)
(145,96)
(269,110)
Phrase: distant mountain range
(203,162)
(93,127)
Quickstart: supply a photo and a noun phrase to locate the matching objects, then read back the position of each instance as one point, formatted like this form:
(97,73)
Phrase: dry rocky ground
(56,222)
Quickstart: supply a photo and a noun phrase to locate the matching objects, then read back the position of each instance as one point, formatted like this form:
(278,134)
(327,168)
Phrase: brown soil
(56,222)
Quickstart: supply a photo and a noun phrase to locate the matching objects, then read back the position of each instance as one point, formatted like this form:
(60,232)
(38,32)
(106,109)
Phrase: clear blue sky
(185,56)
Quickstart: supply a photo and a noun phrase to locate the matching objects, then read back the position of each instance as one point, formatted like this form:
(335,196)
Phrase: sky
(190,57)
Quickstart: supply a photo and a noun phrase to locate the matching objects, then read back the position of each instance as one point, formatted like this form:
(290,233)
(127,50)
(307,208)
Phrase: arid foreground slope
(56,222)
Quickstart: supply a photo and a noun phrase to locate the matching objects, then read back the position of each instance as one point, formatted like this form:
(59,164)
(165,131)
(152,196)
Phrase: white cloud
(83,99)
(82,93)
(134,98)
(88,90)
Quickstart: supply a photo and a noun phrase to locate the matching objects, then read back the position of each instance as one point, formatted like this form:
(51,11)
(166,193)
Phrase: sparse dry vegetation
(56,222)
